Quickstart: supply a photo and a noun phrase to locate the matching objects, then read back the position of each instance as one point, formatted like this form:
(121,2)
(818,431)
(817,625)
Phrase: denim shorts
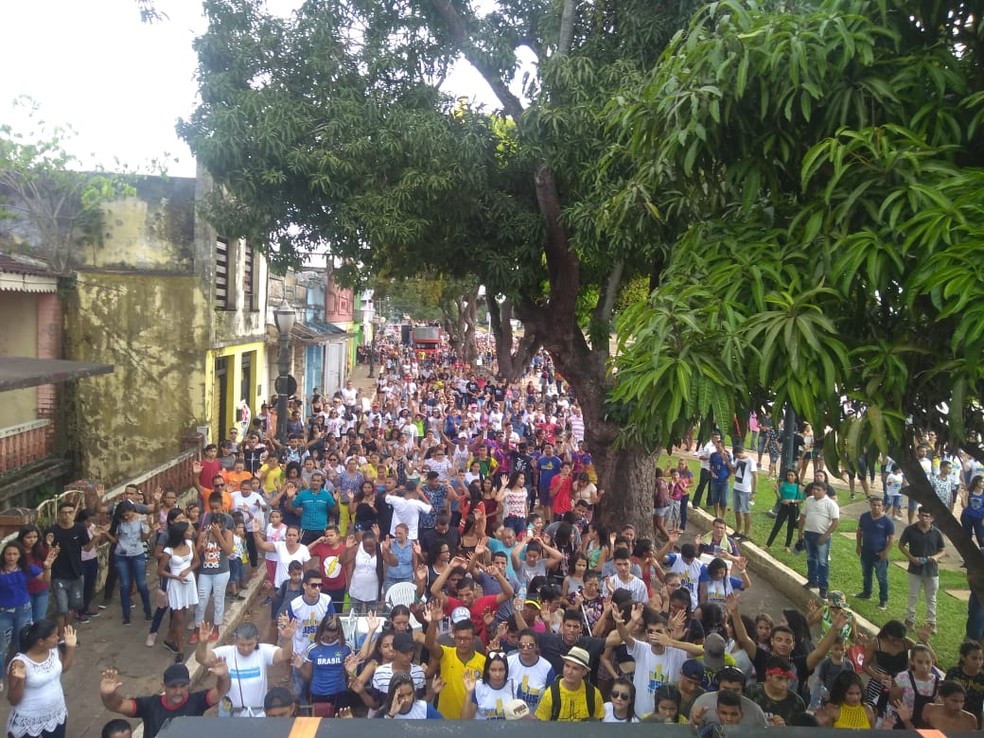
(741,501)
(717,493)
(893,501)
(68,594)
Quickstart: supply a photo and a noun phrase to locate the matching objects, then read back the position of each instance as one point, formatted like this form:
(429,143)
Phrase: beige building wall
(18,337)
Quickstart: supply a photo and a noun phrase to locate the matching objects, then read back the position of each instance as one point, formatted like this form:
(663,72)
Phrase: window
(222,286)
(249,292)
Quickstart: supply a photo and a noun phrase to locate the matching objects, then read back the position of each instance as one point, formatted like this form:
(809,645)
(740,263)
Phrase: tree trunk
(922,491)
(628,477)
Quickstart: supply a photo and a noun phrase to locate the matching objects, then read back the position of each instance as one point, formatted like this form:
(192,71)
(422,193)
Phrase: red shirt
(477,610)
(210,470)
(561,488)
(331,564)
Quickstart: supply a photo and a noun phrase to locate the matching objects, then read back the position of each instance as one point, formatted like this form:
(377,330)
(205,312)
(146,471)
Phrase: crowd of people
(429,550)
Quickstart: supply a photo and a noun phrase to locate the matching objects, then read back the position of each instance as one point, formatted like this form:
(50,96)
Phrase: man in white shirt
(818,521)
(658,659)
(746,481)
(625,579)
(306,612)
(704,455)
(406,510)
(248,661)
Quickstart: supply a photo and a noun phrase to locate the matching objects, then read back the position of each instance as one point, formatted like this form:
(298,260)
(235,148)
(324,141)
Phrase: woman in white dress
(34,682)
(178,563)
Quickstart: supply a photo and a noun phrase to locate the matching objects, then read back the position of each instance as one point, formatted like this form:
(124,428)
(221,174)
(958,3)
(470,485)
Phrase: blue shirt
(314,508)
(718,464)
(875,533)
(328,668)
(13,587)
(404,557)
(549,467)
(437,498)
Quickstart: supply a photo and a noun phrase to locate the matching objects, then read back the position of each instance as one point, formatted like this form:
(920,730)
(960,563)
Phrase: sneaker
(214,637)
(193,638)
(823,594)
(882,605)
(151,640)
(172,646)
(82,617)
(103,605)
(95,614)
(811,585)
(126,621)
(862,596)
(148,617)
(179,658)
(772,514)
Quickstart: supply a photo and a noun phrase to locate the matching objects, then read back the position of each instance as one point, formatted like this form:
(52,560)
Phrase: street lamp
(283,316)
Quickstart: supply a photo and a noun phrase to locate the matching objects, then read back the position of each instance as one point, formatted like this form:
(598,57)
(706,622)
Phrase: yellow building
(180,313)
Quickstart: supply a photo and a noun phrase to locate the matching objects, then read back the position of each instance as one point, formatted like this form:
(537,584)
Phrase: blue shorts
(893,501)
(913,503)
(717,493)
(741,501)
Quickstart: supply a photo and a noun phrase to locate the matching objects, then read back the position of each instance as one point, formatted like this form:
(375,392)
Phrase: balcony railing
(25,443)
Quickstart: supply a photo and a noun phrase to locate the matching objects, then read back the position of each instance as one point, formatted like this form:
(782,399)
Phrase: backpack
(590,696)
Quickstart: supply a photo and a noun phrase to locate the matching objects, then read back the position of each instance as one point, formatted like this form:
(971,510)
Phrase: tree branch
(461,38)
(609,292)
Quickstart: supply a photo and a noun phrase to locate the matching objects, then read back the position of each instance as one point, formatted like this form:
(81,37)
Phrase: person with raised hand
(34,687)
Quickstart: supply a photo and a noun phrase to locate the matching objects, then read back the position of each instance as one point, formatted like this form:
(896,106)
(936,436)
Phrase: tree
(821,169)
(330,128)
(50,204)
(452,302)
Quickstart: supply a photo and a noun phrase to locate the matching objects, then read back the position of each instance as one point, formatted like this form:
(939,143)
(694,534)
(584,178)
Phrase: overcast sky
(121,84)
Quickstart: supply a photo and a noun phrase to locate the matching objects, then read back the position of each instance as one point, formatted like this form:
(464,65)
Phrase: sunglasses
(316,585)
(527,646)
(497,654)
(620,695)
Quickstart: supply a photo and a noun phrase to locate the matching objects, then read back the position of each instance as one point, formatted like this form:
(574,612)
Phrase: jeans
(703,481)
(39,605)
(790,515)
(299,685)
(684,504)
(872,562)
(817,560)
(917,582)
(133,570)
(207,585)
(973,526)
(155,624)
(11,622)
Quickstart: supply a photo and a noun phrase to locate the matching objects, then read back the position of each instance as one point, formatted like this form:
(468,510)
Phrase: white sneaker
(151,640)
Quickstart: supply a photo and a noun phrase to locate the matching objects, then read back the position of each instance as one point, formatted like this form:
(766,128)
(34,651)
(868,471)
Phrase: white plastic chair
(401,593)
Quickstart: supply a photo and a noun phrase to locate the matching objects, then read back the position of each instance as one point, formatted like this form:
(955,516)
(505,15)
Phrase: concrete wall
(18,337)
(154,330)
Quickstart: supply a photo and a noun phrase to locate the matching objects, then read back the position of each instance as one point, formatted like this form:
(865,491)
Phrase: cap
(278,697)
(714,651)
(516,710)
(176,674)
(403,642)
(837,599)
(460,615)
(693,669)
(579,656)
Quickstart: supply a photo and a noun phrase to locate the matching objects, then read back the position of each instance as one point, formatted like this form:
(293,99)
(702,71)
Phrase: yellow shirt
(272,480)
(573,705)
(452,697)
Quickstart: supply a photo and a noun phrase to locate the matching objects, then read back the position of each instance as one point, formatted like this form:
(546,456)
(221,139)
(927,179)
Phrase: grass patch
(845,574)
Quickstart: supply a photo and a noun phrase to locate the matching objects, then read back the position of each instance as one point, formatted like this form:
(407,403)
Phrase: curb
(234,615)
(787,581)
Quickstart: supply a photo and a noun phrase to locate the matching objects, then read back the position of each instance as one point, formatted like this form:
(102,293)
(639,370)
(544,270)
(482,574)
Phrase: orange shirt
(234,479)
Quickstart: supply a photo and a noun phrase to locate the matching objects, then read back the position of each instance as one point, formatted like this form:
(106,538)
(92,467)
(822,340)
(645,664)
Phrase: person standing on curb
(875,535)
(817,523)
(704,456)
(922,544)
